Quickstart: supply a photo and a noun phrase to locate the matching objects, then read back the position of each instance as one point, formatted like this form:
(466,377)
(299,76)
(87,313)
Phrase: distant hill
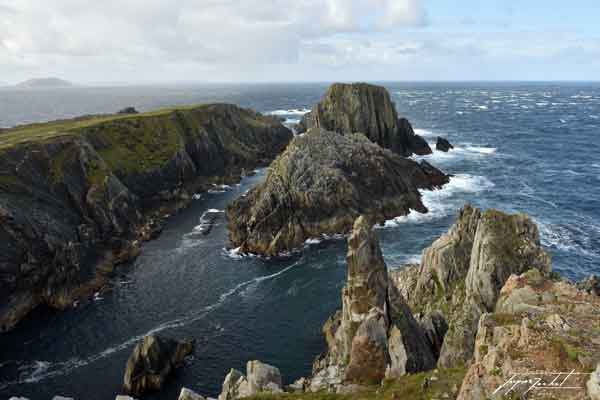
(44,83)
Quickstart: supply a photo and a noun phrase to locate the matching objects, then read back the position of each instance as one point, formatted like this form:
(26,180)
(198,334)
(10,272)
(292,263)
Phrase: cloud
(229,40)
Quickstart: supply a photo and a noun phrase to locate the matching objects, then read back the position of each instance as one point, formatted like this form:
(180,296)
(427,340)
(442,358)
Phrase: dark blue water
(519,147)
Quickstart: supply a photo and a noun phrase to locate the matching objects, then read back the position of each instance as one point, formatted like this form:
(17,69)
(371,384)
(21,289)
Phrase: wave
(425,133)
(37,370)
(293,111)
(439,202)
(482,150)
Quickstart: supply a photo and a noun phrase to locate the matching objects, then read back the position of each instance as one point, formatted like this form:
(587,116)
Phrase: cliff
(367,109)
(77,196)
(320,185)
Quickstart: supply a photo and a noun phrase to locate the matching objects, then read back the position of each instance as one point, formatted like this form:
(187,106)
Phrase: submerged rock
(367,109)
(443,144)
(151,362)
(320,185)
(375,335)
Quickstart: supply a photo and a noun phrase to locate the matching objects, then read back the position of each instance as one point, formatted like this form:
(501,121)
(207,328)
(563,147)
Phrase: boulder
(123,397)
(320,185)
(128,110)
(263,377)
(235,386)
(187,394)
(260,378)
(152,361)
(367,109)
(443,145)
(375,335)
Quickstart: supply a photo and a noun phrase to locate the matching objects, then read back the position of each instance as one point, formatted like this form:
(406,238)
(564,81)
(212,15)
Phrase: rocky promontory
(78,196)
(367,109)
(321,183)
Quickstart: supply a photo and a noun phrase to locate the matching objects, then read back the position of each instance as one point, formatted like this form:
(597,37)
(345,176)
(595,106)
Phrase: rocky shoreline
(79,197)
(481,308)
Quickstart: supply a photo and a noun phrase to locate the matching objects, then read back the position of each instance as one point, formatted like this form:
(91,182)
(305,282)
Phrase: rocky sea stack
(320,185)
(367,109)
(78,196)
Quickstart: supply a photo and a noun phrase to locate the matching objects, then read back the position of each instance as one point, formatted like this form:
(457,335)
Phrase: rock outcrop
(375,335)
(187,394)
(539,327)
(78,196)
(320,185)
(259,378)
(367,109)
(462,272)
(443,144)
(151,362)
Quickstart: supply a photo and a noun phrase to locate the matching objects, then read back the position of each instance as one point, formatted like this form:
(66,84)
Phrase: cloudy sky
(143,41)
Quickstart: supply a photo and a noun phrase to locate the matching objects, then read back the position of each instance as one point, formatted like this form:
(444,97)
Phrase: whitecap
(294,111)
(482,150)
(196,196)
(310,241)
(438,201)
(425,133)
(482,107)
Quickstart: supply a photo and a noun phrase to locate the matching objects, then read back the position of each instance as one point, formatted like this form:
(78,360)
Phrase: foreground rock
(82,199)
(462,272)
(443,145)
(320,185)
(367,109)
(152,361)
(259,378)
(375,334)
(538,327)
(187,394)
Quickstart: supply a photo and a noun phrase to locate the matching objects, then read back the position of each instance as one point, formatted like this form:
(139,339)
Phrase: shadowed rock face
(367,109)
(73,205)
(152,361)
(375,335)
(320,185)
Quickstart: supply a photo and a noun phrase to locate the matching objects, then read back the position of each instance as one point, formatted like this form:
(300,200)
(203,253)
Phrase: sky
(160,41)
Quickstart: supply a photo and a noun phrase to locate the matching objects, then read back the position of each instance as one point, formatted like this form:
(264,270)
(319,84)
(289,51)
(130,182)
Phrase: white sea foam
(425,133)
(439,202)
(312,241)
(482,150)
(41,370)
(294,111)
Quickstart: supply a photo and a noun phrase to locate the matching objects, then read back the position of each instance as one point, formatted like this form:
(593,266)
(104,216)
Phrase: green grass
(54,129)
(407,387)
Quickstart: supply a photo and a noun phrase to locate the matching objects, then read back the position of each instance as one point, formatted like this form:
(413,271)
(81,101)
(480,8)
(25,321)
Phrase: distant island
(44,83)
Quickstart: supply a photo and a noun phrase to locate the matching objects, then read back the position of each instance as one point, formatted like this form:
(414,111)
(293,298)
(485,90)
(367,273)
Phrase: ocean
(519,147)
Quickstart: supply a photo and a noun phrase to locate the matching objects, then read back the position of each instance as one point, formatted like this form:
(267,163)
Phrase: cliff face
(320,185)
(77,196)
(462,272)
(367,109)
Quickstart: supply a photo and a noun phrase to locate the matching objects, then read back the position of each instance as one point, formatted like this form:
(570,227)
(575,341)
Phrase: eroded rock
(375,335)
(367,109)
(152,361)
(320,185)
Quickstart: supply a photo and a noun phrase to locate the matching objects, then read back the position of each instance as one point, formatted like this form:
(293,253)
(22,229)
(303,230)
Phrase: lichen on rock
(320,184)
